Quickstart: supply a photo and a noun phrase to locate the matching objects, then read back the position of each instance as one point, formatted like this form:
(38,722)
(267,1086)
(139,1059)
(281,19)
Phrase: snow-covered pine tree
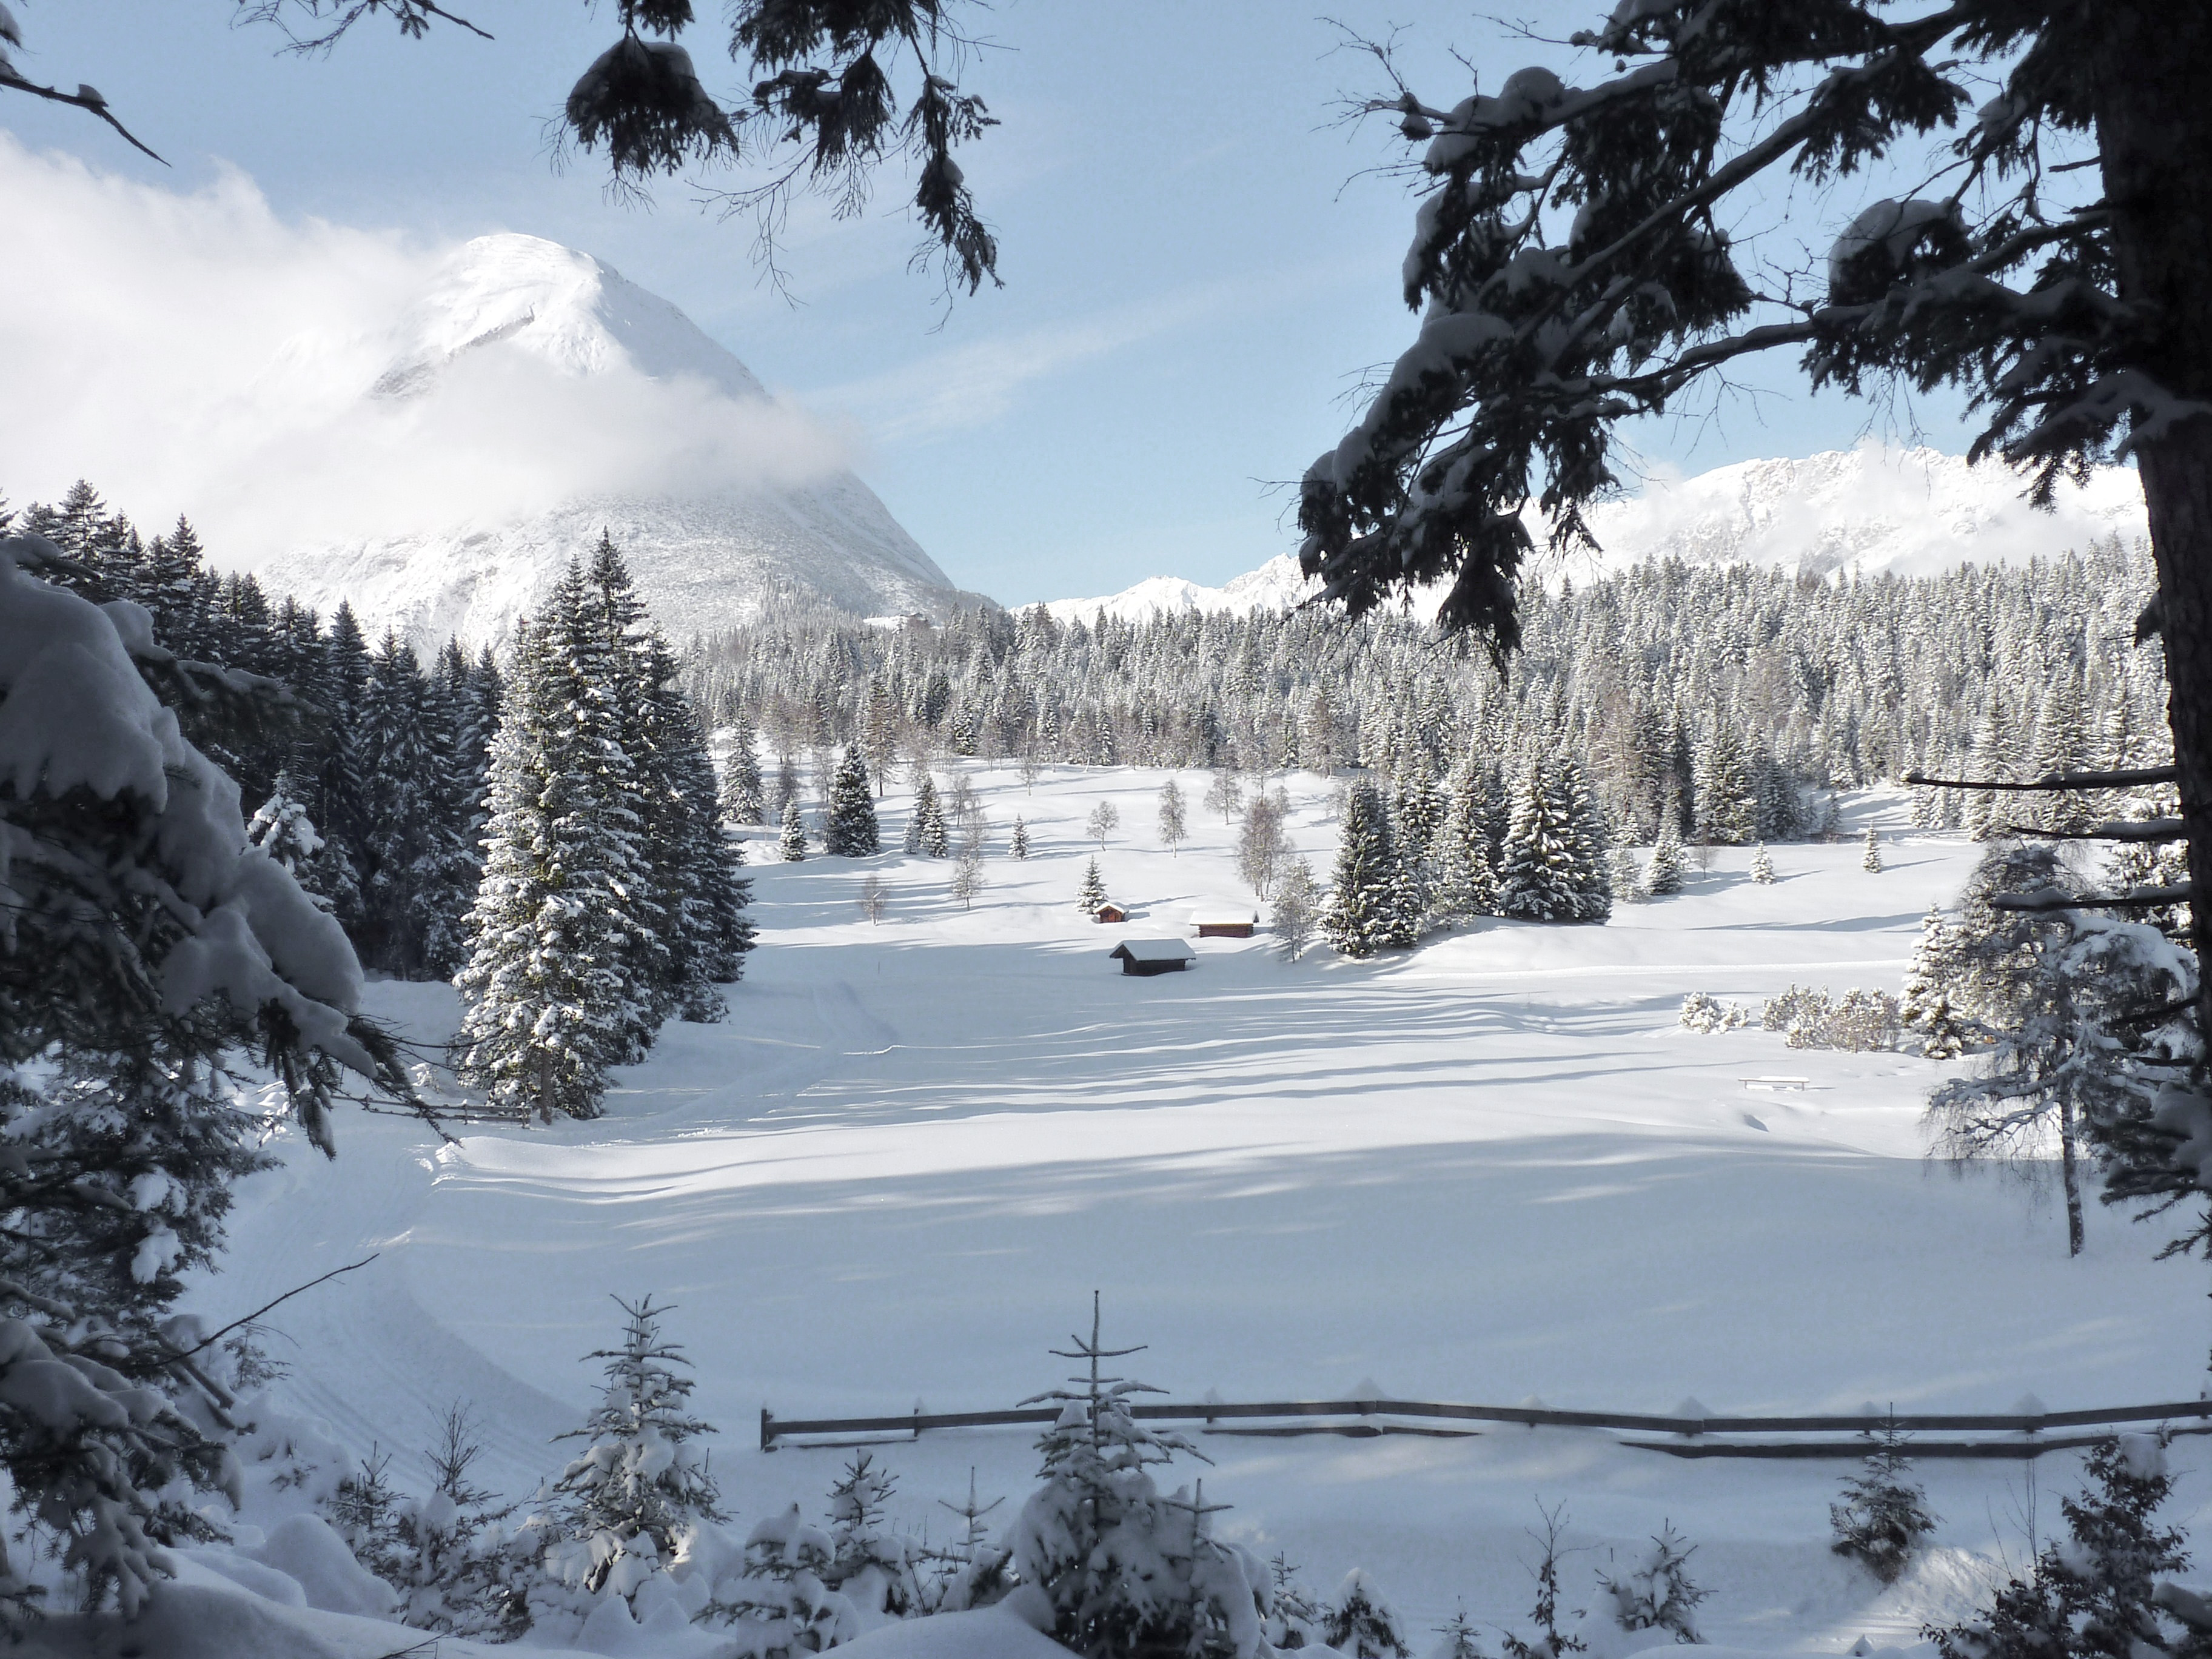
(1367,900)
(149,948)
(1459,1639)
(973,1573)
(2102,1591)
(401,822)
(1463,882)
(1092,893)
(696,865)
(1126,1571)
(1537,880)
(784,1607)
(1884,1513)
(1019,846)
(1360,1624)
(631,1500)
(928,832)
(1664,877)
(1293,1616)
(1591,870)
(2074,1001)
(549,999)
(1762,865)
(791,846)
(1297,909)
(743,798)
(1627,879)
(1727,794)
(871,1566)
(1657,1593)
(281,828)
(851,833)
(1925,1005)
(1175,828)
(1870,852)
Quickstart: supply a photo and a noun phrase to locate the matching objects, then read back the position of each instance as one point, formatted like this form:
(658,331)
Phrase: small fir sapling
(1550,1642)
(784,1607)
(1174,828)
(1457,1639)
(1294,1618)
(1018,847)
(1884,1513)
(791,844)
(1762,865)
(1092,893)
(642,1486)
(1360,1625)
(1870,859)
(1124,1571)
(1104,819)
(1658,1593)
(2098,1593)
(871,897)
(1297,912)
(871,1566)
(973,1573)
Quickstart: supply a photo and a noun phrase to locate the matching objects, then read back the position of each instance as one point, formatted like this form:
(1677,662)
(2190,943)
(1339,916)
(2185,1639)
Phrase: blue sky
(1199,266)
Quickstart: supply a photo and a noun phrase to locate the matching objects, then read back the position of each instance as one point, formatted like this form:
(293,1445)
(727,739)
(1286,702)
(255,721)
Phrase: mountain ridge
(1870,510)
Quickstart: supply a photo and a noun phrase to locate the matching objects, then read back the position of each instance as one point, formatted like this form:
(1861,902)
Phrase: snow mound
(709,526)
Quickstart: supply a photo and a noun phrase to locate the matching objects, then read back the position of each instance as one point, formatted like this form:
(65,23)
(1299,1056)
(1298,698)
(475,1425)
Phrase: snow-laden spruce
(146,947)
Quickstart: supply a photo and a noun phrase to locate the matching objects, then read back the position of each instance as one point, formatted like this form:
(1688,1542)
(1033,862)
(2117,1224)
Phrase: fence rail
(1279,1417)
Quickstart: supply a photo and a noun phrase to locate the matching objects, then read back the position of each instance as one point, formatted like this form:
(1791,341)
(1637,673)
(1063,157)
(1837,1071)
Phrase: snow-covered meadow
(1492,1168)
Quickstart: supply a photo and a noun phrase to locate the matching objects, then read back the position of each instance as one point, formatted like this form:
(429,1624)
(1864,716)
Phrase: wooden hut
(1111,911)
(1223,924)
(1153,956)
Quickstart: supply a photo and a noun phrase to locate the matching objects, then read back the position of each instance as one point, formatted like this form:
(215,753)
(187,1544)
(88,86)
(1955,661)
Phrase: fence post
(768,1430)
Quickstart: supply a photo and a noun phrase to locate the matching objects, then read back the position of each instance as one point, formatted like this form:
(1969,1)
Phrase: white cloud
(194,352)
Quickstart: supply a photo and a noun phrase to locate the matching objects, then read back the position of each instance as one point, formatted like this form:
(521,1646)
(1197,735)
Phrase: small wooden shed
(1111,911)
(1154,955)
(1223,924)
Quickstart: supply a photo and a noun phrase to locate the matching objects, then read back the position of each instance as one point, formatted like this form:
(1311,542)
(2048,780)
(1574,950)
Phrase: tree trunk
(2154,133)
(2070,1171)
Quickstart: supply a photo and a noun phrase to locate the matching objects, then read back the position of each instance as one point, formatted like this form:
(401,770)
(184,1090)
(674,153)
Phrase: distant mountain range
(705,552)
(1913,512)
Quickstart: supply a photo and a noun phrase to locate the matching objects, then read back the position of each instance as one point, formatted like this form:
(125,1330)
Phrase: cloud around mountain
(425,429)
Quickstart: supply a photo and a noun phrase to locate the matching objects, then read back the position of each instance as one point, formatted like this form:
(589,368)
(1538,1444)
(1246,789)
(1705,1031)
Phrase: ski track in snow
(1491,1168)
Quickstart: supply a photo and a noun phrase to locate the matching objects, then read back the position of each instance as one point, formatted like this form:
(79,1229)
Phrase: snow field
(1492,1168)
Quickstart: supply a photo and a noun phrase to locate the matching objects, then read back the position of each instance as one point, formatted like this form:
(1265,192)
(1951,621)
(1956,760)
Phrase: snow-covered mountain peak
(1870,510)
(560,306)
(532,398)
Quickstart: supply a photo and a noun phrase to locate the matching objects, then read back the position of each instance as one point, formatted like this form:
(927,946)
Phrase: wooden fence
(1692,1437)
